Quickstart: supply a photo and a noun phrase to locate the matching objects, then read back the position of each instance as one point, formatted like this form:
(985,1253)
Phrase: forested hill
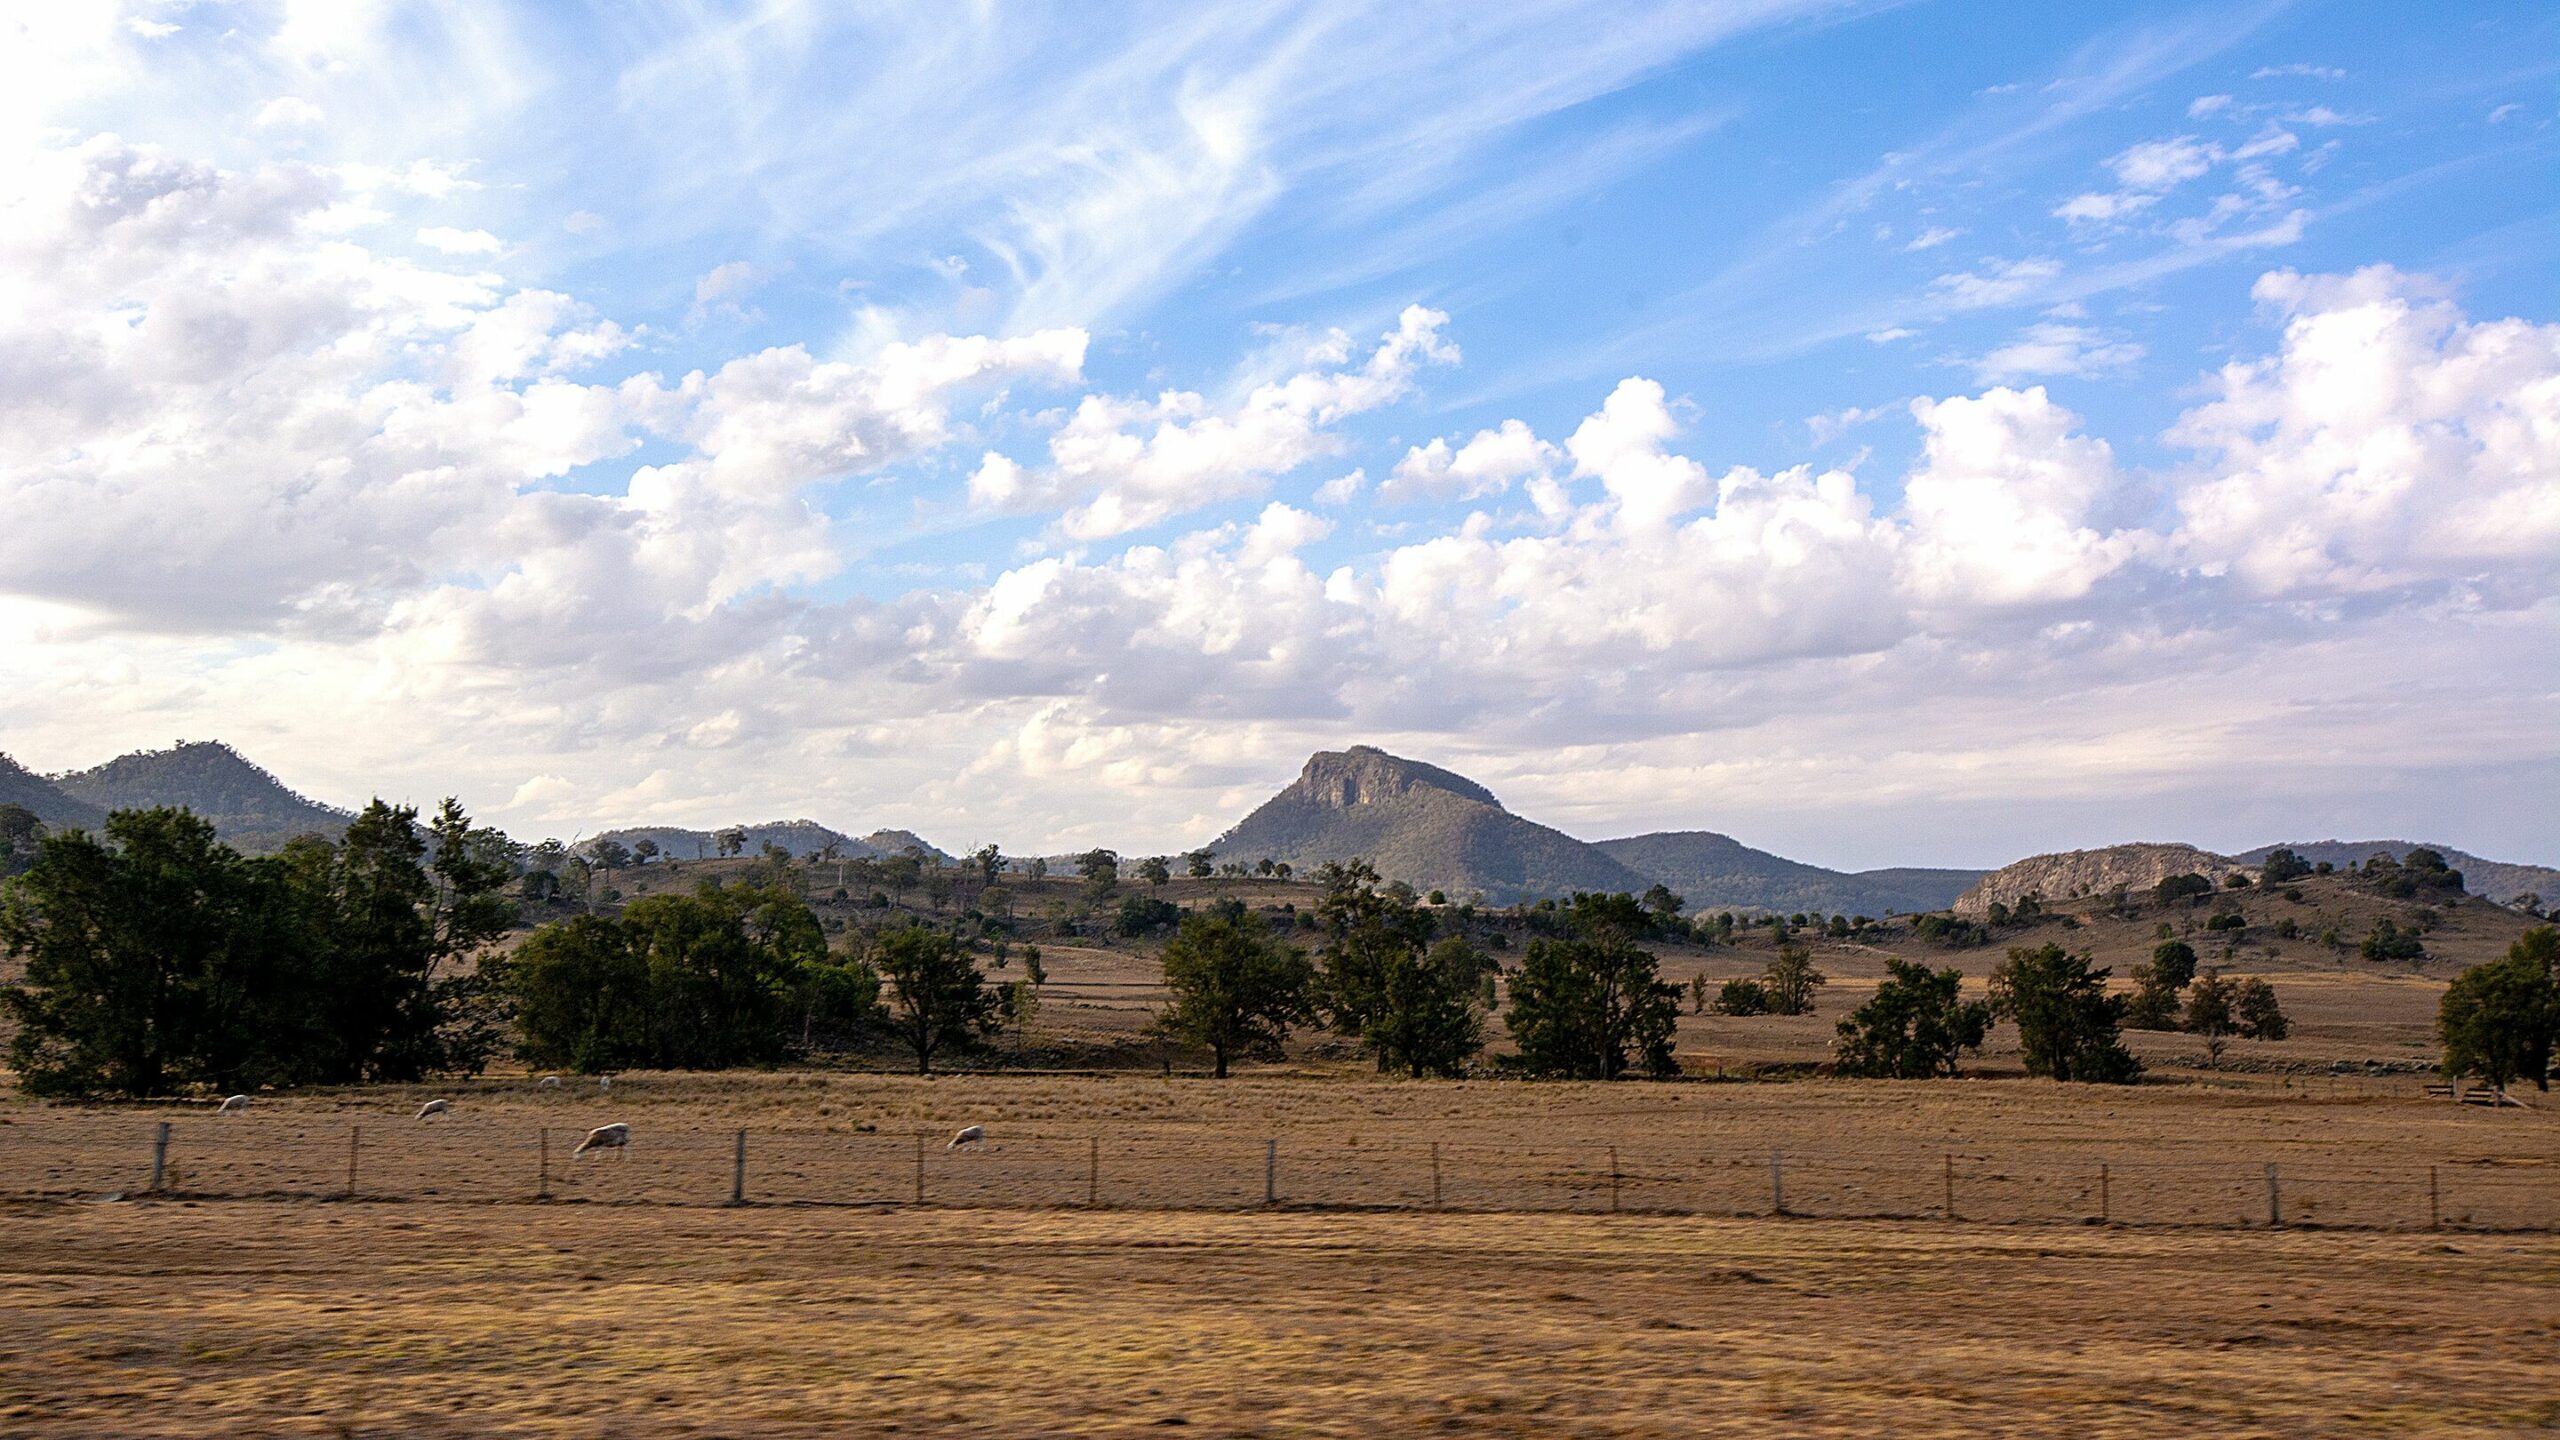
(249,808)
(28,790)
(1718,872)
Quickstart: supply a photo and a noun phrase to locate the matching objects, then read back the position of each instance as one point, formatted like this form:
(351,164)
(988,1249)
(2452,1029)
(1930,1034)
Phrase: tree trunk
(1219,1055)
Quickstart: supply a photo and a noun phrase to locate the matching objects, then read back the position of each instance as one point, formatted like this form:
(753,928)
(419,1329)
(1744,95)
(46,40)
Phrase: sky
(1921,433)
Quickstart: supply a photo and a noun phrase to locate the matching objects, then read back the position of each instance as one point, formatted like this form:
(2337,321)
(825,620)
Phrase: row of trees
(158,957)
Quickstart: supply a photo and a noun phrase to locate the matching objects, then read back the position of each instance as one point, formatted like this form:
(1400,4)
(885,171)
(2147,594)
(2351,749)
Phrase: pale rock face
(2091,872)
(1366,775)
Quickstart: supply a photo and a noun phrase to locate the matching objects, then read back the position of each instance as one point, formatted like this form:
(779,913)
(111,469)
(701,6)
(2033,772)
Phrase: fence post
(1093,1172)
(2275,1206)
(919,1169)
(1951,1186)
(1435,1174)
(355,1137)
(1777,1184)
(738,1171)
(1270,1172)
(1613,1179)
(542,1188)
(2435,1210)
(2105,1215)
(159,1153)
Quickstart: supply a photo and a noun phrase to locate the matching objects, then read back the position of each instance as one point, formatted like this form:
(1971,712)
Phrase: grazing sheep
(547,1082)
(603,1083)
(615,1137)
(434,1107)
(233,1106)
(974,1135)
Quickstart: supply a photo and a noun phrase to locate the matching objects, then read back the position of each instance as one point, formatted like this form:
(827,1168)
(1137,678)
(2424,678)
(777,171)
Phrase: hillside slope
(1420,824)
(23,787)
(1713,871)
(2074,873)
(249,808)
(2497,880)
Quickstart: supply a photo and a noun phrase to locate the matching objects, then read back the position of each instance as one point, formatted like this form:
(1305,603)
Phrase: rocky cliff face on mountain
(1420,824)
(2076,873)
(249,808)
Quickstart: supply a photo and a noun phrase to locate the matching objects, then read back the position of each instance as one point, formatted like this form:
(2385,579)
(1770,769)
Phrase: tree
(940,1000)
(2387,941)
(730,841)
(2254,1005)
(2282,865)
(1431,1019)
(1100,870)
(1662,903)
(1198,865)
(610,854)
(1039,867)
(1742,997)
(989,863)
(1915,1026)
(2183,886)
(1587,1007)
(1140,914)
(2499,1021)
(582,996)
(644,850)
(2209,1015)
(1235,989)
(1155,870)
(2067,1023)
(1790,981)
(2156,985)
(1415,1007)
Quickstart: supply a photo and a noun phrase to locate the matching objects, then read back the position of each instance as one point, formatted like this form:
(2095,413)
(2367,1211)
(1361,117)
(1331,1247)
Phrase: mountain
(2498,880)
(249,808)
(800,837)
(23,787)
(1420,824)
(2074,873)
(1718,872)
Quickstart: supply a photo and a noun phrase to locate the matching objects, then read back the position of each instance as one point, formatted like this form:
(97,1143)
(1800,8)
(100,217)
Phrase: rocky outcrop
(2077,873)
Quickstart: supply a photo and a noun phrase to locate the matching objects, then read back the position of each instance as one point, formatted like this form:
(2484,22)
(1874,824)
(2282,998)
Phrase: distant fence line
(498,1162)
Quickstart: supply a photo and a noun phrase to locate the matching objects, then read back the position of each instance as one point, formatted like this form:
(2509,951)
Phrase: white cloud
(287,112)
(2297,71)
(2390,442)
(1489,464)
(2054,349)
(2000,509)
(2002,282)
(1119,465)
(2158,165)
(2204,105)
(1933,237)
(451,241)
(1342,489)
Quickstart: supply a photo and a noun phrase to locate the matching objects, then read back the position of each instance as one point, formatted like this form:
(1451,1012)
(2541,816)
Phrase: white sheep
(973,1135)
(434,1107)
(615,1137)
(233,1106)
(603,1083)
(547,1082)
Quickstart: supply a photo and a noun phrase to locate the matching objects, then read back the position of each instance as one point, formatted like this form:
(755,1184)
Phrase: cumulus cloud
(1489,464)
(1119,465)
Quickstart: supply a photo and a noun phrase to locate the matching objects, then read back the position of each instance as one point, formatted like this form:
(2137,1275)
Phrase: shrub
(2067,1023)
(1914,1027)
(2184,886)
(1742,997)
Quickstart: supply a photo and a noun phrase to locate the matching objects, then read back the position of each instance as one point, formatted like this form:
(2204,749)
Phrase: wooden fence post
(738,1171)
(2275,1206)
(1270,1172)
(1777,1184)
(159,1154)
(355,1138)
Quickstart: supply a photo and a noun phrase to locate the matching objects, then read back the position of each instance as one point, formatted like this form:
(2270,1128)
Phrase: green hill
(1718,872)
(249,808)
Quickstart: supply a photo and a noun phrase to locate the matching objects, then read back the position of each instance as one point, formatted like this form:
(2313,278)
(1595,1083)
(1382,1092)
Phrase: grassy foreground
(388,1319)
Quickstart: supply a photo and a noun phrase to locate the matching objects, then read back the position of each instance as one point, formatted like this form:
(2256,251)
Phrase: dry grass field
(401,1320)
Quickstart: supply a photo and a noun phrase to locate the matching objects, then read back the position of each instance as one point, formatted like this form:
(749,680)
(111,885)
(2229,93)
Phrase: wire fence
(455,1159)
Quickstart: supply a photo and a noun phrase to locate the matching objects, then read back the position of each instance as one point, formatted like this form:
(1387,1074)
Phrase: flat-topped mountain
(1713,871)
(28,790)
(2497,880)
(799,837)
(249,808)
(2091,872)
(1420,824)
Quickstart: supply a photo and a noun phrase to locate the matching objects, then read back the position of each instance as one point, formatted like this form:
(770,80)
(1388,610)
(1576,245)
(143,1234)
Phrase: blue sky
(1892,433)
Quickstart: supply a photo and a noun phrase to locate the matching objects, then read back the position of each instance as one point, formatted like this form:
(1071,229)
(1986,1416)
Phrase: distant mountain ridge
(1713,871)
(2497,880)
(249,808)
(800,837)
(28,790)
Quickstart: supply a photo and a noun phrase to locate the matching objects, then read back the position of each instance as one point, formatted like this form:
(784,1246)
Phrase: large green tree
(1416,1007)
(939,999)
(1591,1006)
(1236,989)
(2500,1021)
(1914,1027)
(2068,1025)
